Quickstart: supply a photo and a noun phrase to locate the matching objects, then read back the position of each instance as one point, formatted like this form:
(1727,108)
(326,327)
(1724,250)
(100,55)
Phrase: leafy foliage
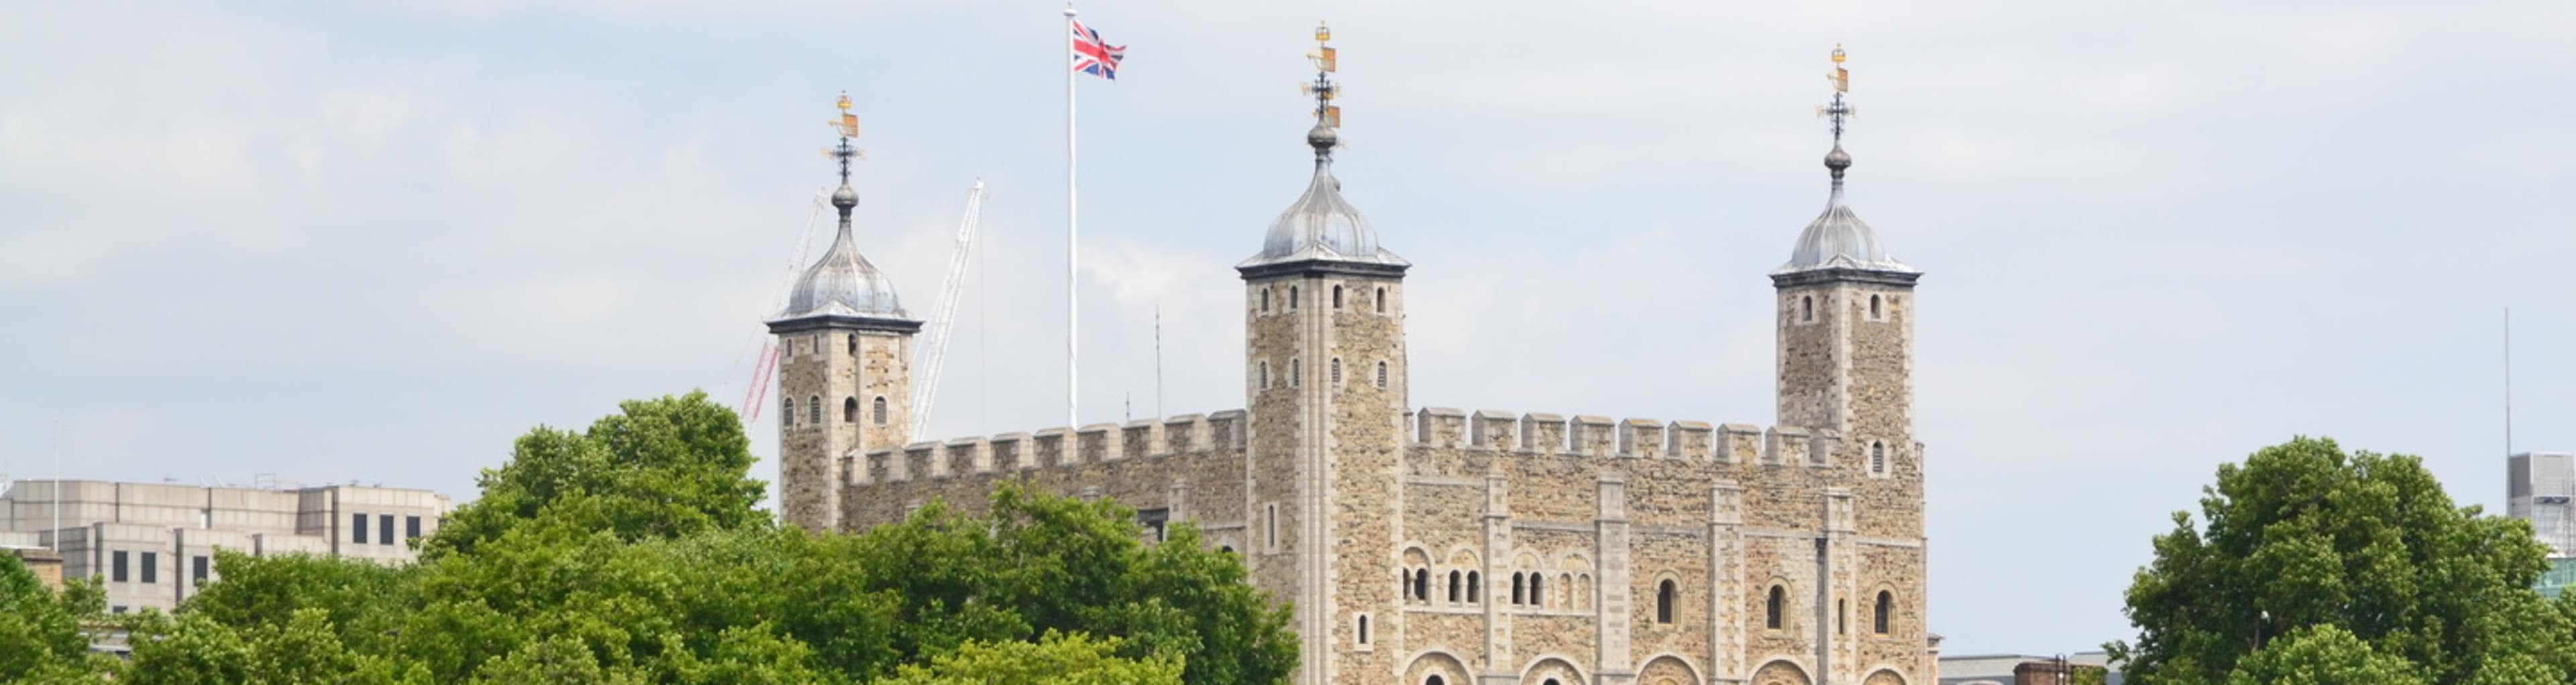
(40,636)
(2318,566)
(630,553)
(659,468)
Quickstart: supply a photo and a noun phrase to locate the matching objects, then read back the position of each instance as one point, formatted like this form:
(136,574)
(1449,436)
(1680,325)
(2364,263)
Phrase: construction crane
(943,319)
(765,363)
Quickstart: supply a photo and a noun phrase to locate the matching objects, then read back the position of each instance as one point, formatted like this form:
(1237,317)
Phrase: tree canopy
(630,553)
(2316,566)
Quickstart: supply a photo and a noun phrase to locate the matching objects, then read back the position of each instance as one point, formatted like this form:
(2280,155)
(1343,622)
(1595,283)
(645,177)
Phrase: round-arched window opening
(1434,680)
(787,413)
(1381,300)
(854,344)
(1878,458)
(1664,596)
(1776,608)
(1337,298)
(1337,371)
(1296,372)
(879,414)
(814,409)
(1381,375)
(1886,606)
(1873,308)
(1265,300)
(1292,298)
(849,410)
(1808,302)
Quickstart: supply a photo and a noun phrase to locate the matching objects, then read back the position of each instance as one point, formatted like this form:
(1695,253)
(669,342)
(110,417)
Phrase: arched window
(849,410)
(1265,300)
(854,344)
(1457,584)
(1775,608)
(1363,628)
(1886,605)
(1434,680)
(1292,298)
(1842,610)
(1664,601)
(1873,308)
(1519,583)
(1337,371)
(1381,300)
(1404,583)
(1877,457)
(1538,590)
(1550,681)
(1475,591)
(1809,303)
(1265,374)
(1381,375)
(1422,584)
(1337,298)
(879,413)
(1296,372)
(787,413)
(1229,549)
(814,409)
(1565,582)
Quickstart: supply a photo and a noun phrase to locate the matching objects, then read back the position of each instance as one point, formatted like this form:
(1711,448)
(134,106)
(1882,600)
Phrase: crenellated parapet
(1052,448)
(1632,438)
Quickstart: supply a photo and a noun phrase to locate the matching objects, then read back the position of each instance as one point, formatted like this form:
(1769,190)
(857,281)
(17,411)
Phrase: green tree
(2310,555)
(40,632)
(659,468)
(1057,659)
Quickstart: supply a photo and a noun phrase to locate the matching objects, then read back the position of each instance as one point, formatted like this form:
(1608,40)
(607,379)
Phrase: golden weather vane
(847,125)
(1837,110)
(1327,61)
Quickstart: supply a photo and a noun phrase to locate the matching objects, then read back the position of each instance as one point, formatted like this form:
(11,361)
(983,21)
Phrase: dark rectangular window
(385,529)
(116,568)
(197,569)
(119,610)
(358,528)
(151,567)
(411,527)
(1154,520)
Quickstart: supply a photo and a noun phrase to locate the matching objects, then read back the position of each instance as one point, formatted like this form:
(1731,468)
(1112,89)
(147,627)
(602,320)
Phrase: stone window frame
(1361,638)
(1337,297)
(1381,374)
(813,409)
(1265,299)
(1296,371)
(1337,372)
(1807,303)
(879,411)
(1882,608)
(787,413)
(1878,458)
(854,344)
(1518,582)
(850,409)
(1381,299)
(1265,374)
(1875,313)
(1292,298)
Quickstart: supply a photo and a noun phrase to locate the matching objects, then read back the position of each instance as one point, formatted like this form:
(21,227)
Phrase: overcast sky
(376,241)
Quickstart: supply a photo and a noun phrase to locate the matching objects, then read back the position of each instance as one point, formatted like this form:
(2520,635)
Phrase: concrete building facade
(154,544)
(1433,546)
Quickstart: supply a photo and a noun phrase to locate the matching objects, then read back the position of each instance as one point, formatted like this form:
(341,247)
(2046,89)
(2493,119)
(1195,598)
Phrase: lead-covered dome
(1321,225)
(843,283)
(1838,239)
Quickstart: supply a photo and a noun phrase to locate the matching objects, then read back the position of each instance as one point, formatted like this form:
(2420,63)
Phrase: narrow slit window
(1364,636)
(1381,300)
(814,409)
(1296,372)
(1457,585)
(854,344)
(1475,590)
(1878,458)
(787,413)
(1807,302)
(1381,375)
(1337,298)
(1775,607)
(1292,298)
(880,411)
(1886,605)
(1664,596)
(1265,300)
(1337,371)
(1873,308)
(1517,580)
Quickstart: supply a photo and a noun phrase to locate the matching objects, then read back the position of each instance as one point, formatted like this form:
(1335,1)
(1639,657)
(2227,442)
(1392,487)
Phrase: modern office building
(2539,487)
(154,544)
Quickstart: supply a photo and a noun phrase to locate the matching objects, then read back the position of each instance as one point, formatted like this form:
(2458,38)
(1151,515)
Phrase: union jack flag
(1093,56)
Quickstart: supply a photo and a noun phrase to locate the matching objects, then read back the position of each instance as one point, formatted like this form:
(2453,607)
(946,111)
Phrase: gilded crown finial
(847,126)
(1836,110)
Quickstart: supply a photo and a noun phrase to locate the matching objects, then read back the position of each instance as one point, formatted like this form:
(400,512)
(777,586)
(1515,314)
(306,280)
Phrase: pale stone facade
(153,544)
(1431,545)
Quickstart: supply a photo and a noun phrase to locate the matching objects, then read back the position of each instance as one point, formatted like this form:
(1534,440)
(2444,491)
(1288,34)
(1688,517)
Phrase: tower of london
(1436,546)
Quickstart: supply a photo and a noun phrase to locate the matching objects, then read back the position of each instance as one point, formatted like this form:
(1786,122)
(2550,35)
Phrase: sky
(332,242)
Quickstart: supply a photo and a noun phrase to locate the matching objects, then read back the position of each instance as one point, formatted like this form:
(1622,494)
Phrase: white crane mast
(934,352)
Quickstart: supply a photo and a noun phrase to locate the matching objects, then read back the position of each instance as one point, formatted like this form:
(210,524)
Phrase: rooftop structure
(154,543)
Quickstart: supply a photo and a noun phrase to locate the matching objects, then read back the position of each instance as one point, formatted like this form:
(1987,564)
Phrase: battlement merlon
(1633,438)
(1099,443)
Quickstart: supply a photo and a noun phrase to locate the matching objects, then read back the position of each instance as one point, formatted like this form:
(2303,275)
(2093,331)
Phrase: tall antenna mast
(2508,381)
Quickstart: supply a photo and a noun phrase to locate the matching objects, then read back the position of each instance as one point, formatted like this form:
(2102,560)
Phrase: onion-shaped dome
(843,283)
(1321,225)
(1838,239)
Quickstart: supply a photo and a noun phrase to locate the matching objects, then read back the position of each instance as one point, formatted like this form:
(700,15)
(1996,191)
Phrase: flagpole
(1072,317)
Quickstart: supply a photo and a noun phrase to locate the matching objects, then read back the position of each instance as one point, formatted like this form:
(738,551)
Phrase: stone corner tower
(1324,378)
(844,365)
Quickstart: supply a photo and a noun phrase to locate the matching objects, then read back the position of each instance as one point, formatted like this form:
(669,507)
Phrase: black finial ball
(1322,138)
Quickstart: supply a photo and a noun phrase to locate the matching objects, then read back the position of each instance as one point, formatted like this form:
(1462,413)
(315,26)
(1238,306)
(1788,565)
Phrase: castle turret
(844,365)
(1324,367)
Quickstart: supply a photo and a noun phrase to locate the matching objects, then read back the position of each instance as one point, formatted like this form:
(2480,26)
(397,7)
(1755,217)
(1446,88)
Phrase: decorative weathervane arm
(848,128)
(1836,111)
(1326,62)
